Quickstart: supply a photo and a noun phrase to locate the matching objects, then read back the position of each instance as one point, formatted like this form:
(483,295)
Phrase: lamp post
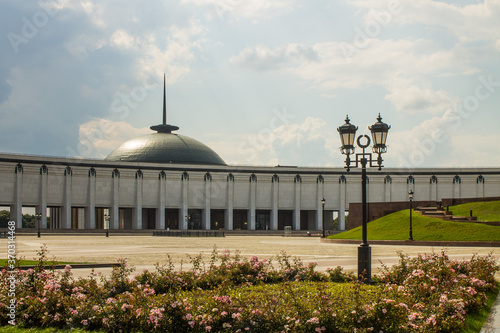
(347,133)
(38,217)
(410,196)
(323,201)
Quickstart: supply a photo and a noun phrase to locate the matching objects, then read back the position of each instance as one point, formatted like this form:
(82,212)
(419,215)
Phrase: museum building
(165,180)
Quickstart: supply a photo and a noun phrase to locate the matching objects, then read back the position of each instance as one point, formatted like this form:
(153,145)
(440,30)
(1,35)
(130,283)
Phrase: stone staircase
(445,215)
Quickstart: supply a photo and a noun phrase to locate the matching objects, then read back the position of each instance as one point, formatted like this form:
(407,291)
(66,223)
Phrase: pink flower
(84,322)
(431,319)
(148,291)
(126,306)
(208,328)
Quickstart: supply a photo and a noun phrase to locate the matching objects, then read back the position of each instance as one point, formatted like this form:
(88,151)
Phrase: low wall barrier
(189,233)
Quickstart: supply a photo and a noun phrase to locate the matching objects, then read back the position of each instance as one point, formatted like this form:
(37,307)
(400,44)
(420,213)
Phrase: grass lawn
(396,226)
(3,262)
(475,321)
(485,211)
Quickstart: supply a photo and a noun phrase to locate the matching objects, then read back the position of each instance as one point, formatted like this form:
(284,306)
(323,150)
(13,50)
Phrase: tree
(29,221)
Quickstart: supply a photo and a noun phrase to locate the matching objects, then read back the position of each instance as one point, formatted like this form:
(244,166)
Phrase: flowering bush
(429,293)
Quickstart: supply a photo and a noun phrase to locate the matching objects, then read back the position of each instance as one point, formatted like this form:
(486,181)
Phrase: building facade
(81,193)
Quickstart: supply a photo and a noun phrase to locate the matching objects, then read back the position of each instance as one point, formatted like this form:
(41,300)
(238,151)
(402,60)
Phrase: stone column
(205,219)
(457,181)
(90,209)
(16,210)
(274,208)
(480,186)
(66,208)
(433,188)
(342,198)
(251,211)
(230,202)
(183,212)
(42,199)
(137,214)
(162,194)
(320,194)
(388,188)
(296,204)
(114,212)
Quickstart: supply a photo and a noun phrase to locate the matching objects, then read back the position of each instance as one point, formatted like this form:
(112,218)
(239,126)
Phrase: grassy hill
(396,226)
(485,211)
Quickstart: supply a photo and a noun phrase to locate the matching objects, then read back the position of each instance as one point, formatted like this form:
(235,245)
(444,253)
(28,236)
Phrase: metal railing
(190,233)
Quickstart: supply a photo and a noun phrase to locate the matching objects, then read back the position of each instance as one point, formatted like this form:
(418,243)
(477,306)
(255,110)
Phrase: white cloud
(174,58)
(262,58)
(497,45)
(82,45)
(402,67)
(122,39)
(480,150)
(414,99)
(426,144)
(99,137)
(312,143)
(473,22)
(236,9)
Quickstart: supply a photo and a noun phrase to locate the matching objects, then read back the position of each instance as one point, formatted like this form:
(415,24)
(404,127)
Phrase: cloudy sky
(261,82)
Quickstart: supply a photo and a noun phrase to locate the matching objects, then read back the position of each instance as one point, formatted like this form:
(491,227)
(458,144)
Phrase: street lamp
(323,201)
(410,195)
(38,217)
(347,133)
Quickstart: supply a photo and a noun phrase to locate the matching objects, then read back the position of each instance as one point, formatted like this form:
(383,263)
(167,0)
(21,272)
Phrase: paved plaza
(143,252)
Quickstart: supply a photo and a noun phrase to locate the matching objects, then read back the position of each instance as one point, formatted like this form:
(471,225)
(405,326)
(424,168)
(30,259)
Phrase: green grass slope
(485,211)
(396,226)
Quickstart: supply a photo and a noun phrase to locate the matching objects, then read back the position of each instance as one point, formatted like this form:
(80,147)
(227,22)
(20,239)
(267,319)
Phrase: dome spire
(164,100)
(164,128)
